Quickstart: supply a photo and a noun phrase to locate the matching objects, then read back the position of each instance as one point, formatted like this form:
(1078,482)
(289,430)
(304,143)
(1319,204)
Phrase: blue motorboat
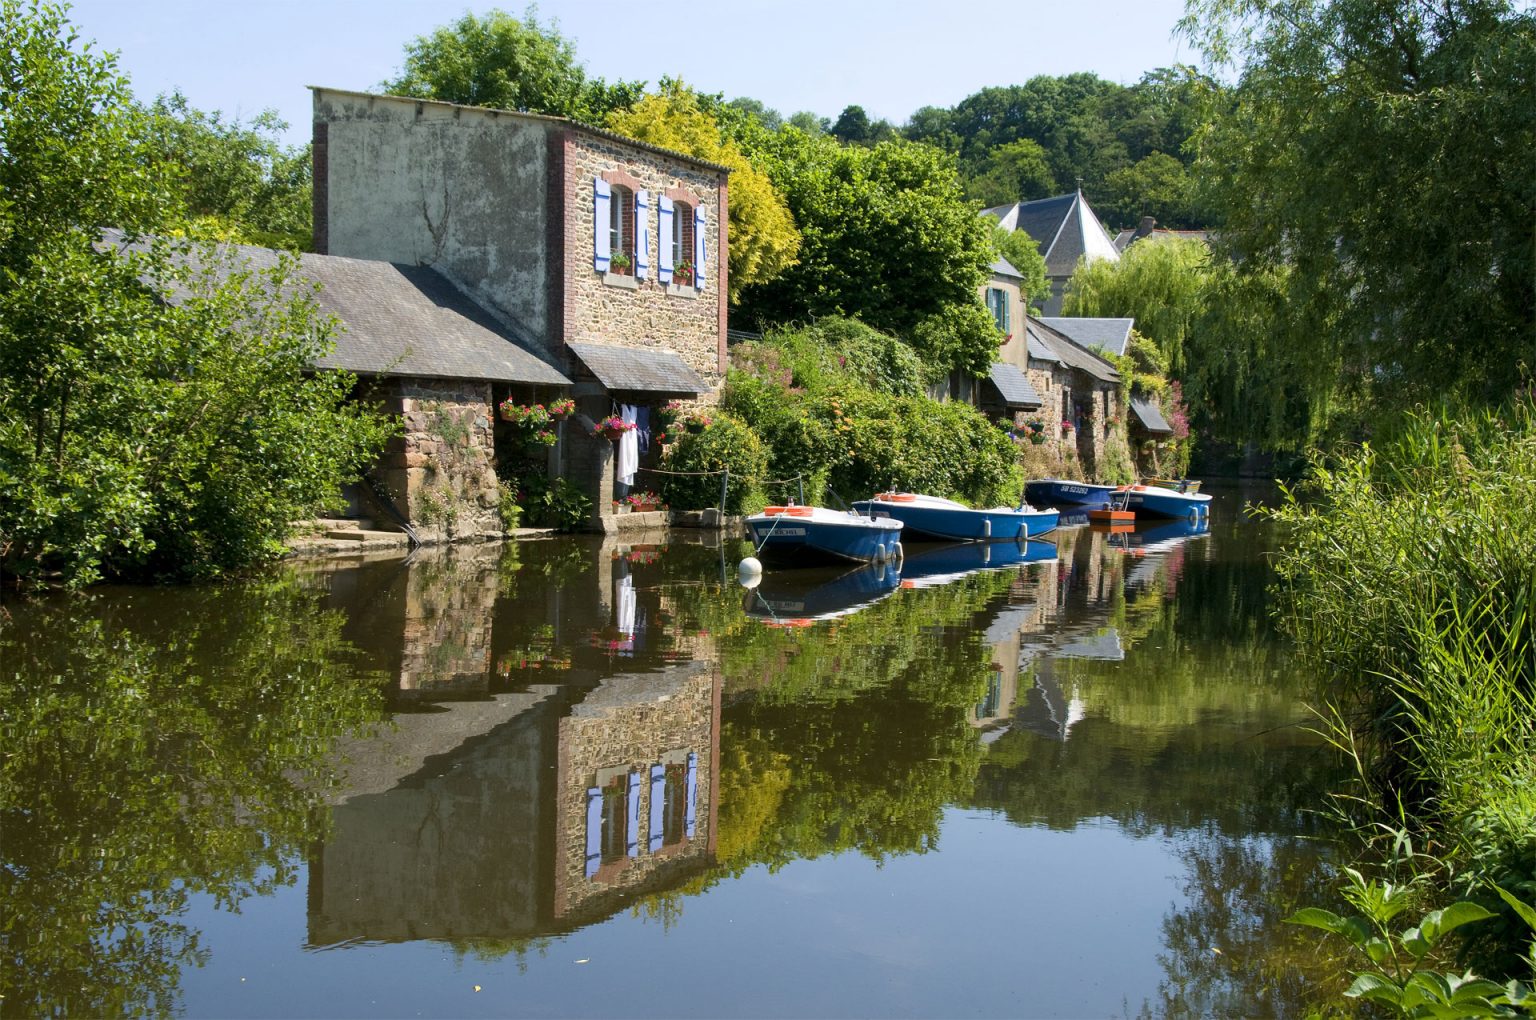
(927,567)
(1156,501)
(949,521)
(798,598)
(807,535)
(1063,492)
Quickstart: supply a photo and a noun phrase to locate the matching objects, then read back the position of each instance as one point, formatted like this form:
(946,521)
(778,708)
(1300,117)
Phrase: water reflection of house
(471,814)
(516,831)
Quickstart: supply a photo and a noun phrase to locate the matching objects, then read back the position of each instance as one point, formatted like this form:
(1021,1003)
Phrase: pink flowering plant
(636,500)
(562,407)
(613,425)
(529,416)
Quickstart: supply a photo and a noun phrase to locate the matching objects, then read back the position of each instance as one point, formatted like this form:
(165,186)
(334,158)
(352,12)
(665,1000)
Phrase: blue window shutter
(700,249)
(658,805)
(691,818)
(601,195)
(632,822)
(642,234)
(594,829)
(664,239)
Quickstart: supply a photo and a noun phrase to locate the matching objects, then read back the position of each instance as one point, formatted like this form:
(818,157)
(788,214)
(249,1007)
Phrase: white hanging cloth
(625,610)
(629,448)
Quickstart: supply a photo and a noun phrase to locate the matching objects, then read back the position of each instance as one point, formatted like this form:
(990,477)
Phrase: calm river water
(574,777)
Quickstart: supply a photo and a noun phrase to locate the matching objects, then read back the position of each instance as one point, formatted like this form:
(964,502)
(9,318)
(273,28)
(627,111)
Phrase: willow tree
(1381,153)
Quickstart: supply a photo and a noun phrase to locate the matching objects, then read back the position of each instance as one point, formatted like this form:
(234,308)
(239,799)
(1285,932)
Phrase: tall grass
(1409,578)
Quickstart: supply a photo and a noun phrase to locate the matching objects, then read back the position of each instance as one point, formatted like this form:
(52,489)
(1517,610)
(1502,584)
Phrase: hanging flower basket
(698,423)
(613,427)
(562,408)
(529,416)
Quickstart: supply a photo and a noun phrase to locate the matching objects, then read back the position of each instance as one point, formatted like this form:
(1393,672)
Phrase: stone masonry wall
(633,722)
(682,319)
(441,470)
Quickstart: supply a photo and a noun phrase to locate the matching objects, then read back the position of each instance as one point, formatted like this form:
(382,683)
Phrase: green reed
(1409,579)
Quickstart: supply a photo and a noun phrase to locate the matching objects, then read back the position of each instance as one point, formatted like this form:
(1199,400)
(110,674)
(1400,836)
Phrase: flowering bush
(529,416)
(699,422)
(640,499)
(562,407)
(613,425)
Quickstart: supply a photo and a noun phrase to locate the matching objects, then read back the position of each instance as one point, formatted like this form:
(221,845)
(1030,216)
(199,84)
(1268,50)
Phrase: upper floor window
(621,240)
(683,252)
(997,304)
(682,242)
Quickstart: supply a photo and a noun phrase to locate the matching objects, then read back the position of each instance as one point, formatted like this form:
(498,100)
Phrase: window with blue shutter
(666,245)
(642,234)
(658,806)
(700,251)
(602,244)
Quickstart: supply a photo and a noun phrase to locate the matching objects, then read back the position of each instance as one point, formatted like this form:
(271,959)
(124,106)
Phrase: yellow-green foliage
(763,237)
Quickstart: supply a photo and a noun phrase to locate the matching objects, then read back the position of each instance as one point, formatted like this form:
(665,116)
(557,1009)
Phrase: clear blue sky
(244,56)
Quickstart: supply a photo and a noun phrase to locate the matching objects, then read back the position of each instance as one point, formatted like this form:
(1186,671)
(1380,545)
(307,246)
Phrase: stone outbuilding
(602,257)
(1080,391)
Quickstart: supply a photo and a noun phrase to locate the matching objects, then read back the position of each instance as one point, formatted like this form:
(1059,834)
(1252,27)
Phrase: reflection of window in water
(675,809)
(613,818)
(989,705)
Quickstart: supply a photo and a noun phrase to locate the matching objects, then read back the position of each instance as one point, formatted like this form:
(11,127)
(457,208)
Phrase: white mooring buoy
(749,572)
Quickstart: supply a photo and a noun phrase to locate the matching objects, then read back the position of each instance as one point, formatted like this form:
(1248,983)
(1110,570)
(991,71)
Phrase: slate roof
(1065,227)
(397,320)
(1060,348)
(1014,386)
(628,369)
(1150,417)
(1128,237)
(1110,334)
(1002,267)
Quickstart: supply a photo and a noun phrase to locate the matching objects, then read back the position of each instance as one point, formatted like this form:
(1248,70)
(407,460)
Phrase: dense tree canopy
(237,174)
(763,238)
(887,234)
(140,434)
(509,63)
(1380,154)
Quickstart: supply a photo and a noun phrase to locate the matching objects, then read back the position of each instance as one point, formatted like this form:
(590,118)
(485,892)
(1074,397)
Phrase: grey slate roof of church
(398,320)
(1110,334)
(639,371)
(1014,386)
(1064,226)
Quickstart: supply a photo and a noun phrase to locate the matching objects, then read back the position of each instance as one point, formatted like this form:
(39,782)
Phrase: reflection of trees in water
(158,744)
(1227,950)
(853,734)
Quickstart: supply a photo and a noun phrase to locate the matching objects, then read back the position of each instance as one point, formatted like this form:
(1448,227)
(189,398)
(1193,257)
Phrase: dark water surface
(595,778)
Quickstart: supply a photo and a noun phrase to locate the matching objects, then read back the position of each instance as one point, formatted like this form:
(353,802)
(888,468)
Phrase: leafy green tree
(763,238)
(887,234)
(1161,284)
(852,126)
(509,63)
(1012,172)
(158,411)
(1158,186)
(1382,151)
(237,174)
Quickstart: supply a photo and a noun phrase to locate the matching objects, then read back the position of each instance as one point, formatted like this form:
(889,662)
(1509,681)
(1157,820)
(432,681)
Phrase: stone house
(601,257)
(1081,402)
(1067,230)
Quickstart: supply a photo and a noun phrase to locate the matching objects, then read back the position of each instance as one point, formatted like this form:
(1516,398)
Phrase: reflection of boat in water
(948,521)
(1072,517)
(801,597)
(936,565)
(803,535)
(1160,535)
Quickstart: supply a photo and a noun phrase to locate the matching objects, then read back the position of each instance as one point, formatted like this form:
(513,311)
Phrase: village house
(1080,392)
(1006,394)
(596,263)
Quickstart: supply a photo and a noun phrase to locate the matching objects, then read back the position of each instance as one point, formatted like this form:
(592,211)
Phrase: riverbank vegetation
(159,415)
(1408,580)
